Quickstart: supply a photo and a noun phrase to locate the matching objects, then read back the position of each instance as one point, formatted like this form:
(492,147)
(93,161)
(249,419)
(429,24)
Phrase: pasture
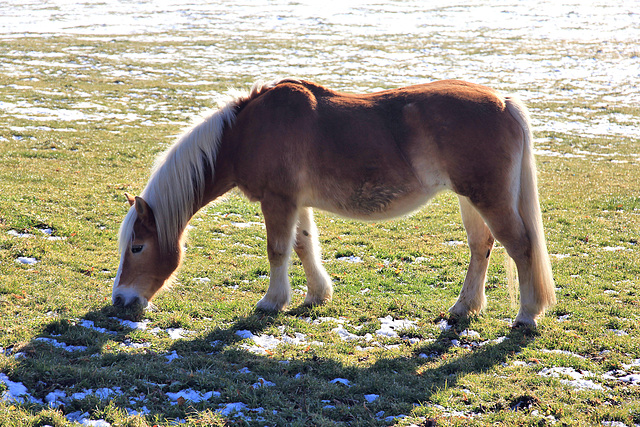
(90,93)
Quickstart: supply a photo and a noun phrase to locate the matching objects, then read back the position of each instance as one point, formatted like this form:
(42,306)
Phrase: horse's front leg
(280,217)
(472,299)
(307,246)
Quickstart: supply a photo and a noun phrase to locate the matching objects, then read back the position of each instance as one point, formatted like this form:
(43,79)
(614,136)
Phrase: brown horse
(293,145)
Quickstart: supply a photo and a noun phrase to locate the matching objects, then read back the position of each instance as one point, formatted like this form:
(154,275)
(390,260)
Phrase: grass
(69,176)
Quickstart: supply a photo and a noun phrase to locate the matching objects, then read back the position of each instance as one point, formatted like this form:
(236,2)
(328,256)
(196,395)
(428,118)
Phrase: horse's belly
(372,203)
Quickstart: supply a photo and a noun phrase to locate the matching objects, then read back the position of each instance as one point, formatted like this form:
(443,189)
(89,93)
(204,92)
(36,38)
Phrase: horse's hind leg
(307,246)
(472,299)
(508,228)
(280,216)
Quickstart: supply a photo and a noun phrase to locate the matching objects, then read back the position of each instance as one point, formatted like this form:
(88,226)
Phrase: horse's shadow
(312,382)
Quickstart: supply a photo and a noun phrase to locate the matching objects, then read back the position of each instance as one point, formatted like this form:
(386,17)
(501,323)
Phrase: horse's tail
(529,207)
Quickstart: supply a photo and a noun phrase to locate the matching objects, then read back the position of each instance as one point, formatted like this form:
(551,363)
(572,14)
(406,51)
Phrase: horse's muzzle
(120,300)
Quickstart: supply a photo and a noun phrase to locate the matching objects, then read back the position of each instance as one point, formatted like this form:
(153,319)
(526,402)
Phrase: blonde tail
(529,207)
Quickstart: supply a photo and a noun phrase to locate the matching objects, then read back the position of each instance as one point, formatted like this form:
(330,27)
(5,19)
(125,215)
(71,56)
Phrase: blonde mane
(177,177)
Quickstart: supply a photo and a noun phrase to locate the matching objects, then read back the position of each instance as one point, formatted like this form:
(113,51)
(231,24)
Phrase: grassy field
(84,117)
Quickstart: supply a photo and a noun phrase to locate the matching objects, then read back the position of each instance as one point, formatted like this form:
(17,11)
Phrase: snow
(344,334)
(468,333)
(15,233)
(266,343)
(89,324)
(562,352)
(389,326)
(55,398)
(191,395)
(341,381)
(83,419)
(231,408)
(140,326)
(172,356)
(27,260)
(16,391)
(443,325)
(245,224)
(263,383)
(370,398)
(351,258)
(577,381)
(69,348)
(178,333)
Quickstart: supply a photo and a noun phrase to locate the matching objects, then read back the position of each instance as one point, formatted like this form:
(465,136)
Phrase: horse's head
(145,267)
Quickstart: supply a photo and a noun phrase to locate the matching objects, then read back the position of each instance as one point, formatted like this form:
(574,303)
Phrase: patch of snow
(562,352)
(245,224)
(263,383)
(370,398)
(191,395)
(321,320)
(178,333)
(265,343)
(140,326)
(341,381)
(634,364)
(443,325)
(614,248)
(172,356)
(468,333)
(232,408)
(389,326)
(82,418)
(128,343)
(14,233)
(577,381)
(90,325)
(27,260)
(56,398)
(16,391)
(352,259)
(344,334)
(58,344)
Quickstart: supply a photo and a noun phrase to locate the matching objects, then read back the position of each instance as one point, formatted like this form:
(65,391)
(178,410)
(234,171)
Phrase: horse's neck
(217,183)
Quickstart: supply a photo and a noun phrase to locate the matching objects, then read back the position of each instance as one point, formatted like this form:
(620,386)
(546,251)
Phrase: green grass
(70,176)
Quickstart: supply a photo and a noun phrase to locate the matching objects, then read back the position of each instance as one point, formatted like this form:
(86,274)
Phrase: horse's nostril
(118,301)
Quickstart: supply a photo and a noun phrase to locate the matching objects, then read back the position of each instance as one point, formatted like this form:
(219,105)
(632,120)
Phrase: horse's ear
(145,214)
(130,199)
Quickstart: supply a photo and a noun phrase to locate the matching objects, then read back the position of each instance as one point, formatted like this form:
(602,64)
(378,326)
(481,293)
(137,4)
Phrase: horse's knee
(277,256)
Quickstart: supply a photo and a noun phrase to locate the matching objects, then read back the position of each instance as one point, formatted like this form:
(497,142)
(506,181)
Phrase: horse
(294,145)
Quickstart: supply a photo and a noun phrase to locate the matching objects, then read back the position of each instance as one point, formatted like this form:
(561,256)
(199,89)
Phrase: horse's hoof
(312,301)
(268,305)
(519,324)
(460,310)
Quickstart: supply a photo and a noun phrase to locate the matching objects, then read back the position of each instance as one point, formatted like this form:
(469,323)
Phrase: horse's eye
(136,249)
